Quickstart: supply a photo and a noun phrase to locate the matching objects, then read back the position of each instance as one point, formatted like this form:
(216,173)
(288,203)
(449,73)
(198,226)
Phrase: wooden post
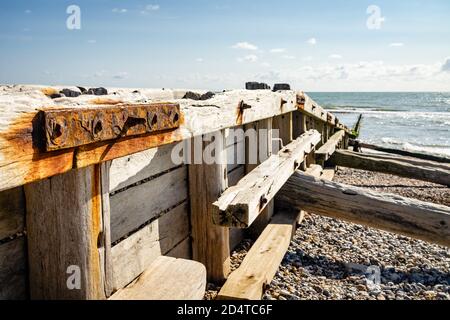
(265,147)
(210,243)
(392,213)
(66,236)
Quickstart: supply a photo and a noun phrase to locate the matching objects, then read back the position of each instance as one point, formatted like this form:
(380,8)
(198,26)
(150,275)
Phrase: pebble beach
(328,258)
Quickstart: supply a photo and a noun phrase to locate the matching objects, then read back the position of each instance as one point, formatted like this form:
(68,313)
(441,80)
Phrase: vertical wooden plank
(105,251)
(64,224)
(265,148)
(210,243)
(251,150)
(13,270)
(298,124)
(283,124)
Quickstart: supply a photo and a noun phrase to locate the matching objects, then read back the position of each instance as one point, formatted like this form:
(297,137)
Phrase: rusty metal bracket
(69,128)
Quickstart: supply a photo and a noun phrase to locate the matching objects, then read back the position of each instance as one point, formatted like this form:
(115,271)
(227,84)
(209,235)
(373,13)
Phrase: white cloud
(245,46)
(278,50)
(312,41)
(92,41)
(117,10)
(446,66)
(199,60)
(121,75)
(28,11)
(308,58)
(335,56)
(396,44)
(249,58)
(265,65)
(152,7)
(288,57)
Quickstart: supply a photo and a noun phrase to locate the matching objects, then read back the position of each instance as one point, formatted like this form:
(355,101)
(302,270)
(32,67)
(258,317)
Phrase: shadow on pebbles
(333,260)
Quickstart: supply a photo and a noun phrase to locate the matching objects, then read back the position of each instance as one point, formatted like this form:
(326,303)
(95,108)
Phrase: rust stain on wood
(69,127)
(101,152)
(22,162)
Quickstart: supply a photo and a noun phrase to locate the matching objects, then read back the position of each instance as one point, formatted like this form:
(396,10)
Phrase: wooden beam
(400,166)
(240,205)
(392,213)
(23,162)
(324,152)
(406,153)
(167,279)
(65,236)
(262,261)
(210,243)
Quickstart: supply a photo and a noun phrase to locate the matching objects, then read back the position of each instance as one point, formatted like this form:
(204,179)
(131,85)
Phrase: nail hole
(57,131)
(176,117)
(98,128)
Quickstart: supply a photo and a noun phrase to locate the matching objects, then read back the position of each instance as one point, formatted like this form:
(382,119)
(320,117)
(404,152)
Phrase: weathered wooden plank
(136,253)
(235,156)
(13,270)
(392,213)
(236,175)
(210,243)
(140,166)
(12,212)
(325,151)
(262,261)
(182,251)
(105,250)
(167,279)
(64,223)
(134,207)
(282,126)
(236,235)
(399,166)
(405,153)
(240,205)
(22,161)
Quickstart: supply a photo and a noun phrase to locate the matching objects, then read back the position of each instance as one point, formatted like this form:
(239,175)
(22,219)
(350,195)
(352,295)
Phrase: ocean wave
(407,146)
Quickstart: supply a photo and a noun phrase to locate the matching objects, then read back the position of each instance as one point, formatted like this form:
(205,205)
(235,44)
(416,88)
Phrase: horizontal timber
(22,160)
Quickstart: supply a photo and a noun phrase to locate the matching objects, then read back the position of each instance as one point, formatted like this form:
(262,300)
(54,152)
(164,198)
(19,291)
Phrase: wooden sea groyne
(93,205)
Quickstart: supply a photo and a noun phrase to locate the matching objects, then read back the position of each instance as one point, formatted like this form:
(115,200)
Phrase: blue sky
(219,44)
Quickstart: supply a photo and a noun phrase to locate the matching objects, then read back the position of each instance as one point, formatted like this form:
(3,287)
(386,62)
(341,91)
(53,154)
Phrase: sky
(339,45)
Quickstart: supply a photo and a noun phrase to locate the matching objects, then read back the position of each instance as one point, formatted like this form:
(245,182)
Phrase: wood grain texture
(210,243)
(22,162)
(325,151)
(136,253)
(137,167)
(262,261)
(12,212)
(167,279)
(13,270)
(409,217)
(240,205)
(183,250)
(134,207)
(400,166)
(64,222)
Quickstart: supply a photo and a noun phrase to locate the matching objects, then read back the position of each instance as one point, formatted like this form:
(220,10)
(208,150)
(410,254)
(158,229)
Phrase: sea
(418,122)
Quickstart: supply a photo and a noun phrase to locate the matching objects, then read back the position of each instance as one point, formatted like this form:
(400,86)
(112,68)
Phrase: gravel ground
(329,259)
